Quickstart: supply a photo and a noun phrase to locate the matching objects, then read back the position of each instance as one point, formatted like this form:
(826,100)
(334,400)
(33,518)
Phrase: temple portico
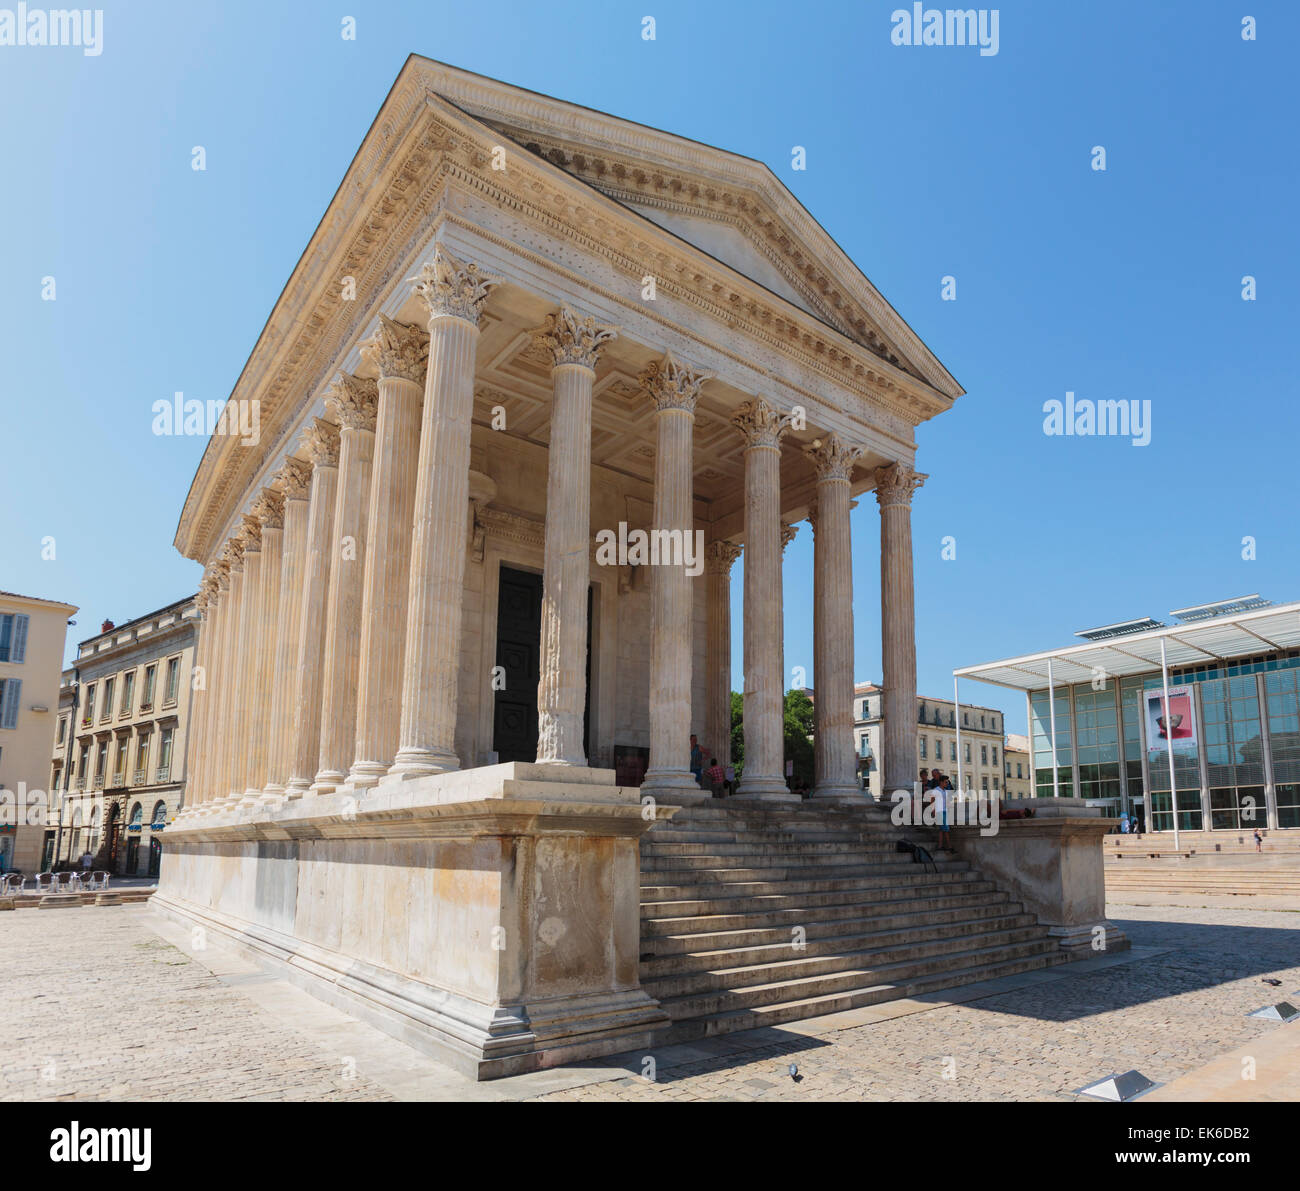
(438,720)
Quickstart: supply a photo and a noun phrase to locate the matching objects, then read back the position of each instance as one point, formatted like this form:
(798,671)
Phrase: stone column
(574,345)
(453,295)
(834,752)
(674,390)
(398,352)
(218,684)
(201,702)
(323,451)
(293,479)
(895,484)
(355,399)
(269,511)
(764,767)
(251,619)
(718,560)
(224,777)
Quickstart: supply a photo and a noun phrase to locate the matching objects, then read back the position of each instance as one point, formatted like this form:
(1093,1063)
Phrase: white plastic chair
(46,882)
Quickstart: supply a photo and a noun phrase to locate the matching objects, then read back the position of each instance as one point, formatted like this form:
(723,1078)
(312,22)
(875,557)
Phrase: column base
(673,787)
(415,762)
(765,789)
(365,775)
(327,781)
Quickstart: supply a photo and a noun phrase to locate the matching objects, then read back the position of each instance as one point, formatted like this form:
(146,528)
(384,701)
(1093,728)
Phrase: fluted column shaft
(674,391)
(561,692)
(263,707)
(894,487)
(200,705)
(294,478)
(218,681)
(834,754)
(717,728)
(427,742)
(347,572)
(250,627)
(311,619)
(386,582)
(224,782)
(574,344)
(763,776)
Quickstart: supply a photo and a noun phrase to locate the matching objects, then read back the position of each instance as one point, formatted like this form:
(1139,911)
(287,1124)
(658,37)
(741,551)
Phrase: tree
(798,728)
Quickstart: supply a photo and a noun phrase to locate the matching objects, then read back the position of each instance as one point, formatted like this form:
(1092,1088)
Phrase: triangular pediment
(724,204)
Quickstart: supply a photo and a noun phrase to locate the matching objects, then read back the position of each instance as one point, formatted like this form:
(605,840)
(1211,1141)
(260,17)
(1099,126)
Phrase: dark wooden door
(519,651)
(519,638)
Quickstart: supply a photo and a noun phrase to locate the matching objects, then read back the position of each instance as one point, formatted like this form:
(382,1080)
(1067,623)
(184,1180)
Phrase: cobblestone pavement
(1165,1016)
(95,1005)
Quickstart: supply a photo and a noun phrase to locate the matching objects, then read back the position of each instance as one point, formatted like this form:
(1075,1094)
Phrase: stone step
(799,871)
(712,893)
(713,955)
(665,936)
(60,901)
(725,1021)
(850,966)
(662,850)
(975,961)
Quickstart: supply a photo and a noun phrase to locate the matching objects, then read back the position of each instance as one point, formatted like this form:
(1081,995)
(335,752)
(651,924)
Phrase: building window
(63,729)
(165,754)
(119,761)
(995,782)
(10,692)
(108,697)
(146,696)
(1018,773)
(984,782)
(137,816)
(142,759)
(952,747)
(173,680)
(159,815)
(128,693)
(984,754)
(101,764)
(1288,804)
(995,754)
(968,752)
(90,706)
(13,637)
(923,747)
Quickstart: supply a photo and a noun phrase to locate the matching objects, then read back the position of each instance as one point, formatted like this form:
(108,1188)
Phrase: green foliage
(799,720)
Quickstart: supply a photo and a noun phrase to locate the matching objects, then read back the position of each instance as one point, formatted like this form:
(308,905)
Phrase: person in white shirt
(941,791)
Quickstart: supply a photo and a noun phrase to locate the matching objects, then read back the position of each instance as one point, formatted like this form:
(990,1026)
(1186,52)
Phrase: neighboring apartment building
(32,635)
(1018,780)
(981,763)
(123,774)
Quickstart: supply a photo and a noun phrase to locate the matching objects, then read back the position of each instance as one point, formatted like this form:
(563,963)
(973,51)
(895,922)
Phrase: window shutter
(19,649)
(9,712)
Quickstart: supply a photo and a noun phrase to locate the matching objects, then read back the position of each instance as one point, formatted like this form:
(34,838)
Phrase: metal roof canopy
(1219,639)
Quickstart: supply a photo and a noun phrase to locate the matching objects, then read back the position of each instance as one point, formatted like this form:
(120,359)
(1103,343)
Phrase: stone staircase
(726,886)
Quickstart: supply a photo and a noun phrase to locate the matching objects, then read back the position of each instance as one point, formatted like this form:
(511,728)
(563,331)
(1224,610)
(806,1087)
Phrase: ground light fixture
(1283,1011)
(1119,1089)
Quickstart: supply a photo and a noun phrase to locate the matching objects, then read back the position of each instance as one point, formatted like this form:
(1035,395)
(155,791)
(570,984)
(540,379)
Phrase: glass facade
(1244,775)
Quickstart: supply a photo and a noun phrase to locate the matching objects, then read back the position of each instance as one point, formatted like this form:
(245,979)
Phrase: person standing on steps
(942,792)
(715,778)
(697,759)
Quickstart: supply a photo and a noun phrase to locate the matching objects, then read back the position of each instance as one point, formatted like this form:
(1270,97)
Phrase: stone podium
(490,917)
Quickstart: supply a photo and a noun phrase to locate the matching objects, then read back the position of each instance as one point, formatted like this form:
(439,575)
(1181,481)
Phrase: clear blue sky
(922,162)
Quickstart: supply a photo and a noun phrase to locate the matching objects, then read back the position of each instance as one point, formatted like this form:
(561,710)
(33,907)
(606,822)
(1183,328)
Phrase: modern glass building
(1100,727)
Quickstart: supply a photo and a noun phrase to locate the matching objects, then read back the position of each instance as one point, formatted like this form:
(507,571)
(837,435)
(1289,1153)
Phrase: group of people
(937,788)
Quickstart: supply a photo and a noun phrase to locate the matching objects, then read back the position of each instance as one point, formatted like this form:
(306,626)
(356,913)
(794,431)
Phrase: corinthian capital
(671,385)
(293,478)
(788,535)
(573,340)
(719,556)
(251,535)
(233,555)
(833,458)
(268,508)
(398,350)
(895,483)
(760,423)
(321,443)
(447,287)
(356,398)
